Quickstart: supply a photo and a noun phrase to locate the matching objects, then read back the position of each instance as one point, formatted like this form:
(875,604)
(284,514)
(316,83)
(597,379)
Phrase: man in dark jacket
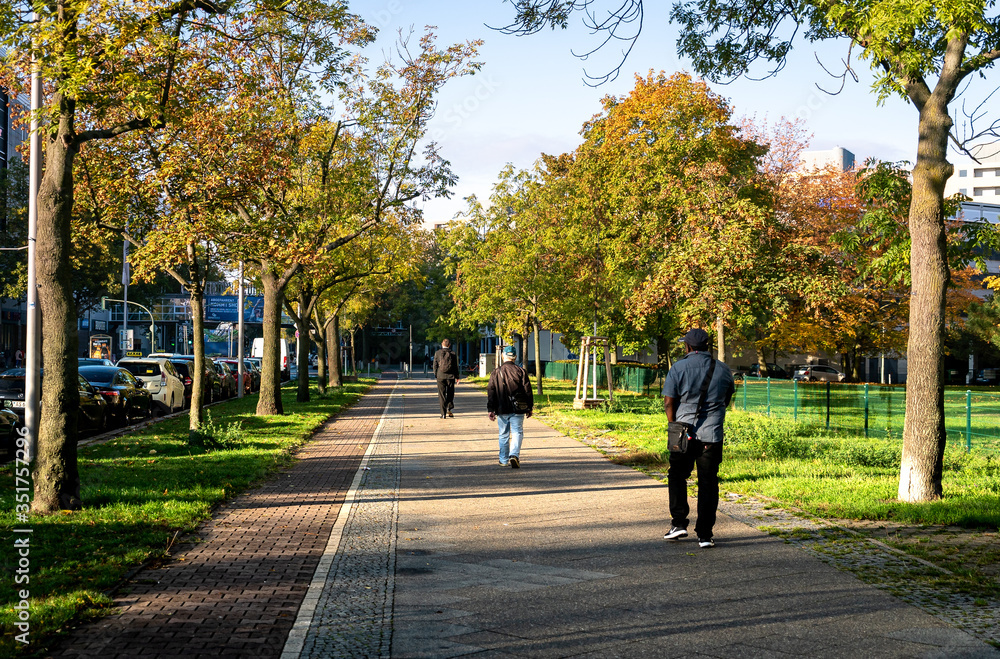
(509,401)
(446,373)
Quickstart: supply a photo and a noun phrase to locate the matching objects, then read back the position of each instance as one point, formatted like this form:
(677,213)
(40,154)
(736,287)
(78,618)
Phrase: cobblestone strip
(907,577)
(347,611)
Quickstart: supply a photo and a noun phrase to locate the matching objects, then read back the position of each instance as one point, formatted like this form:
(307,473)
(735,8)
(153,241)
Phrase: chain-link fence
(972,418)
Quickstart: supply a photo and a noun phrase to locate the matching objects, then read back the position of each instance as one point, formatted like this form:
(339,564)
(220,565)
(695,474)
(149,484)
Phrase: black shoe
(442,416)
(515,462)
(675,533)
(451,415)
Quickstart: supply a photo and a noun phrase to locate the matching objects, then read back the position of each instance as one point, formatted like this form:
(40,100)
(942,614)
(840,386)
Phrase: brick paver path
(235,593)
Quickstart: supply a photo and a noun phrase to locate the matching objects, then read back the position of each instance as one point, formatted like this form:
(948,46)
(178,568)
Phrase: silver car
(813,373)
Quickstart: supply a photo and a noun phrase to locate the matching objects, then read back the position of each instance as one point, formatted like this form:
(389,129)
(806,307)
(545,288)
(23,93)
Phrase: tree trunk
(761,362)
(354,357)
(333,348)
(720,332)
(320,353)
(538,357)
(56,476)
(198,341)
(923,429)
(269,401)
(302,346)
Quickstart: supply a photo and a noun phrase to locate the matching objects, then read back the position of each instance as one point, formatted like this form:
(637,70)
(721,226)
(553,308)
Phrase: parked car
(160,379)
(94,361)
(127,399)
(773,371)
(8,432)
(248,375)
(253,369)
(988,376)
(93,410)
(211,386)
(812,373)
(226,377)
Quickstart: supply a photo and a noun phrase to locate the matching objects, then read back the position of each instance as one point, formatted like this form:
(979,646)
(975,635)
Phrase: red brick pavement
(237,590)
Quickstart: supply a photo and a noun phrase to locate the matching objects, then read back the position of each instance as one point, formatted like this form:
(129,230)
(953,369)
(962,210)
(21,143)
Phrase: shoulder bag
(679,433)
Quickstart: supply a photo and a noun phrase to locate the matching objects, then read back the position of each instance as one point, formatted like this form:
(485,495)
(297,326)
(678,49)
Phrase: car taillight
(187,380)
(284,362)
(108,392)
(163,379)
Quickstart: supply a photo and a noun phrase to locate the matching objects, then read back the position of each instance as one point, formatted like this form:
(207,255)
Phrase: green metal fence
(637,379)
(972,418)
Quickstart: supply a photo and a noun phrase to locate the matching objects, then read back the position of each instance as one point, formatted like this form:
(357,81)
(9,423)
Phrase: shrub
(868,454)
(756,436)
(211,436)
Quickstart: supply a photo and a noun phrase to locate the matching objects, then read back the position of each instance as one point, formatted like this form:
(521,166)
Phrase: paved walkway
(440,552)
(235,592)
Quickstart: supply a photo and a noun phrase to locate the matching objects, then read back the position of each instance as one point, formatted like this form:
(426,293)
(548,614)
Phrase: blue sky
(530,97)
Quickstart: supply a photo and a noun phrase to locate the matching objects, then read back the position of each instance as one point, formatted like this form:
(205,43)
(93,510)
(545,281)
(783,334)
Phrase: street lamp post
(33,357)
(152,323)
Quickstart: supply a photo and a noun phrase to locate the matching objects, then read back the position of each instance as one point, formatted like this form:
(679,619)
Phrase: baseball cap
(695,338)
(510,350)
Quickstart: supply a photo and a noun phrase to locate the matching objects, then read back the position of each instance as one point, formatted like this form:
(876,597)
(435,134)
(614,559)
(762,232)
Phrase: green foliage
(212,436)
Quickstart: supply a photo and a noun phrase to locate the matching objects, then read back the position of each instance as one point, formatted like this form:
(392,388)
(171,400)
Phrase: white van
(257,350)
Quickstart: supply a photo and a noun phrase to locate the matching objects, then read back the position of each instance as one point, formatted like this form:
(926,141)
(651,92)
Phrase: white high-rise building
(837,157)
(979,181)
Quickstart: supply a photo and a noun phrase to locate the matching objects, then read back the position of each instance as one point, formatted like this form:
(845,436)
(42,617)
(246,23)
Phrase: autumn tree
(923,52)
(505,260)
(110,68)
(385,120)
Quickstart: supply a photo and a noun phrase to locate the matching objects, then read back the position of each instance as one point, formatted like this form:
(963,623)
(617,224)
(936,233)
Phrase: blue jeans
(511,434)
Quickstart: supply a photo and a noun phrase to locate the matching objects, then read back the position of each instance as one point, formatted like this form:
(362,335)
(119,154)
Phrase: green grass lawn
(801,465)
(139,492)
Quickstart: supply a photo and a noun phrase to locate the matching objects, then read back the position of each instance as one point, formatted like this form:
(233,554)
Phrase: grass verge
(140,492)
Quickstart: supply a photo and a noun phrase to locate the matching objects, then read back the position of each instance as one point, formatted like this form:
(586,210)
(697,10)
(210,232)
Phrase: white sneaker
(674,533)
(705,543)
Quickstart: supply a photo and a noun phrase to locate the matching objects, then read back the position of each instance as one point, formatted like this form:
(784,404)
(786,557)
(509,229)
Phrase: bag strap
(705,383)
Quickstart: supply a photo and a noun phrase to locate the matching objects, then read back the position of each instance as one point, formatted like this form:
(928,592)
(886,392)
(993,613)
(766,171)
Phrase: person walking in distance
(446,374)
(509,401)
(704,415)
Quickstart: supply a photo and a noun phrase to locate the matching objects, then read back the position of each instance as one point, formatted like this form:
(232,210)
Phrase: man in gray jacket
(509,401)
(681,395)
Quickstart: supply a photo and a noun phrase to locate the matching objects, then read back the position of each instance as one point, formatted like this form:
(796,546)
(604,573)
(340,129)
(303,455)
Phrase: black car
(773,371)
(8,432)
(94,361)
(212,386)
(127,399)
(93,410)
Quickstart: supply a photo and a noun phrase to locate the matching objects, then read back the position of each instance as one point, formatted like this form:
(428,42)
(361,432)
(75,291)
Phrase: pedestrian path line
(347,609)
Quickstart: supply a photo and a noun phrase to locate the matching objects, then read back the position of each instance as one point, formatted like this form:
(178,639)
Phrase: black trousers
(707,456)
(446,394)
